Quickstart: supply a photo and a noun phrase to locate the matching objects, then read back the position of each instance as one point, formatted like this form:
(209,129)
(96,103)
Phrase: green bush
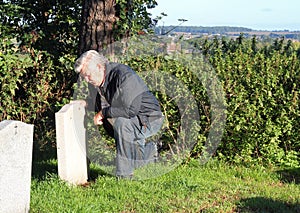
(32,90)
(260,82)
(262,89)
(261,85)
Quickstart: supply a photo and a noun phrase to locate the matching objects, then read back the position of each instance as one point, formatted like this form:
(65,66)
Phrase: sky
(254,14)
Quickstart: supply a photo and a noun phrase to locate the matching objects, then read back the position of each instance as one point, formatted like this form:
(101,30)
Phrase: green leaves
(44,25)
(32,84)
(261,88)
(134,17)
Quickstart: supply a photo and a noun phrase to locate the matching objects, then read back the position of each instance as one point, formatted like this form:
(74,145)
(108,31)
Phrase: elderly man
(134,109)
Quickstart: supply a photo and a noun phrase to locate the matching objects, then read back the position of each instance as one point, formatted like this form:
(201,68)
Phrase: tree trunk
(97,22)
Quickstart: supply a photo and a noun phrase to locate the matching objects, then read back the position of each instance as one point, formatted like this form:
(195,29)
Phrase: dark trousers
(132,149)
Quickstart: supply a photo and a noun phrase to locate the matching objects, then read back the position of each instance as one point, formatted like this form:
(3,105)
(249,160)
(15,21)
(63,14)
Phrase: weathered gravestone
(71,144)
(16,144)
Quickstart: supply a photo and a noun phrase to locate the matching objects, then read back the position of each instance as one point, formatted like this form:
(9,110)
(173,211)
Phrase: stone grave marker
(16,146)
(71,144)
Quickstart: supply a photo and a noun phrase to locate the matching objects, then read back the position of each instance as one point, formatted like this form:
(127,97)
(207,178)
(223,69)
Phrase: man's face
(93,74)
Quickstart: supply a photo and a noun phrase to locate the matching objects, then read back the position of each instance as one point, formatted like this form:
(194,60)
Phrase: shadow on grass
(42,169)
(43,162)
(261,204)
(290,175)
(96,172)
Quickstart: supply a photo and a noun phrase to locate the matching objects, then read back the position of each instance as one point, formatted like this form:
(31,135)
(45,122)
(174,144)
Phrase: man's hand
(98,118)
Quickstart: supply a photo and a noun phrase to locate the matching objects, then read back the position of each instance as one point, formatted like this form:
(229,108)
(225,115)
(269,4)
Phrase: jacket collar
(108,68)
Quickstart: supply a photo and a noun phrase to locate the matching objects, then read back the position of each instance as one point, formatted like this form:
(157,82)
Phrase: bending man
(134,109)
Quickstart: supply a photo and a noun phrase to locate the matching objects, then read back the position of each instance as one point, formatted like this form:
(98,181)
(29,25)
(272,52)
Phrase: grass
(214,187)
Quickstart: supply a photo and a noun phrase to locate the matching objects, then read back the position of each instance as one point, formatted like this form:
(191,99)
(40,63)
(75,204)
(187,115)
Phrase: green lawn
(214,187)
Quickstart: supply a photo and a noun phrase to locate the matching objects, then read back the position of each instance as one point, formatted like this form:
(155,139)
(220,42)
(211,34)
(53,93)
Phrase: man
(135,112)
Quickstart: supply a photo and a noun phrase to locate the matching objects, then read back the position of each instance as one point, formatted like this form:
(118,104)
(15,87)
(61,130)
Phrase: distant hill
(226,31)
(200,30)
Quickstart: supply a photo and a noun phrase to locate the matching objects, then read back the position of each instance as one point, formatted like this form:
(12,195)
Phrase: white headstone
(16,144)
(71,144)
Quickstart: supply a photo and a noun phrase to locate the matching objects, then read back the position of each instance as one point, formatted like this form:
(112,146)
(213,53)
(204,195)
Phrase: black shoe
(159,146)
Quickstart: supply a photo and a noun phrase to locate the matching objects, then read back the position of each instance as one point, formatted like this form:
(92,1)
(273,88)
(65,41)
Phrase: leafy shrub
(261,84)
(262,89)
(33,89)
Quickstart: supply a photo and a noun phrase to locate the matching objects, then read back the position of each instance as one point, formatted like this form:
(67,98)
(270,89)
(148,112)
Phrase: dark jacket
(128,95)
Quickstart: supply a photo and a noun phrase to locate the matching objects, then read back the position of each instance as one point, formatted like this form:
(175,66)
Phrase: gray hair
(89,59)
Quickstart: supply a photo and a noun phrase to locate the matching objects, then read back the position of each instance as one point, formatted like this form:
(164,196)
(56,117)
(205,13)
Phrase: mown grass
(214,187)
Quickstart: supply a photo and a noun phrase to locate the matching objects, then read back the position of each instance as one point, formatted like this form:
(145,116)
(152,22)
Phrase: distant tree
(254,44)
